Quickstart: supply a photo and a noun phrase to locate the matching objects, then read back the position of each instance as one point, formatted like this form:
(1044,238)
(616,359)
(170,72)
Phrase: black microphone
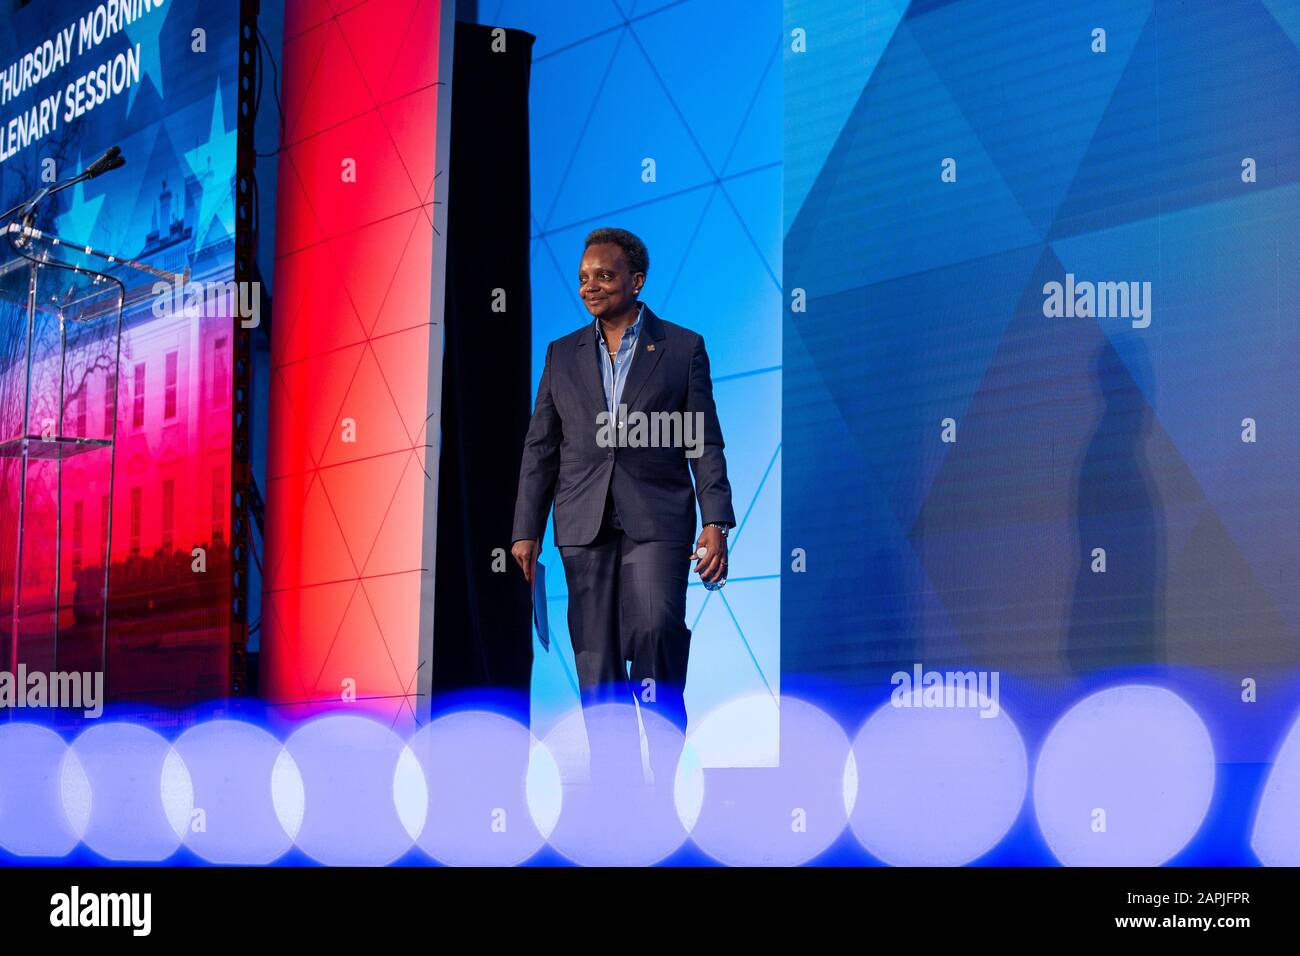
(110,160)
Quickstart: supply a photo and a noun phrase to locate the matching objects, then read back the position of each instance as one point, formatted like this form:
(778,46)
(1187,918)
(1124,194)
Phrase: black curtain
(482,618)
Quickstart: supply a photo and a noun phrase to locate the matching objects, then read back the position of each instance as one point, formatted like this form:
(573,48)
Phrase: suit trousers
(627,606)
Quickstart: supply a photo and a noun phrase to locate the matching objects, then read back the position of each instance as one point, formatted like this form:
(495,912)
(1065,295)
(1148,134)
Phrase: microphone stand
(102,165)
(28,206)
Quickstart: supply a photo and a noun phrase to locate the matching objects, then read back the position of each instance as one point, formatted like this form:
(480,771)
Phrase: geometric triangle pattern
(348,466)
(708,114)
(981,480)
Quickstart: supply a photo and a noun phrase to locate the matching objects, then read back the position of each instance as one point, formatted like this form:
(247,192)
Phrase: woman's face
(607,286)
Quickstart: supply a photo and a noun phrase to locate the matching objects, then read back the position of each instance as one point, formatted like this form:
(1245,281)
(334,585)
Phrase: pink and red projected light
(164,404)
(351,385)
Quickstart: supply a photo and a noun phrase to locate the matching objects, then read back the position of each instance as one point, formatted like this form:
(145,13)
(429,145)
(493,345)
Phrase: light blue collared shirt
(614,373)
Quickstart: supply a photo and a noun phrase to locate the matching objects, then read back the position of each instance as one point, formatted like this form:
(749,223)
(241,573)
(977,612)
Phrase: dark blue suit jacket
(564,461)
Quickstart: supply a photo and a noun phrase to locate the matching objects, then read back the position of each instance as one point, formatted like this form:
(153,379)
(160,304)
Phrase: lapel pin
(650,347)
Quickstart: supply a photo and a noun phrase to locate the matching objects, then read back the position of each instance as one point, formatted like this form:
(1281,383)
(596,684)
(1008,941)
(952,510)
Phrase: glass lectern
(61,308)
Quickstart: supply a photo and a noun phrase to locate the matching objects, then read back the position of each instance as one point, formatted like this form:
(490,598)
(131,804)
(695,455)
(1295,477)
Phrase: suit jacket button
(610,455)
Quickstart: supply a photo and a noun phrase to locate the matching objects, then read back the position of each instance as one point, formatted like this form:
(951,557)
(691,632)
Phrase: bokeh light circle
(353,777)
(1124,778)
(785,815)
(937,786)
(475,765)
(33,821)
(231,765)
(613,812)
(128,791)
